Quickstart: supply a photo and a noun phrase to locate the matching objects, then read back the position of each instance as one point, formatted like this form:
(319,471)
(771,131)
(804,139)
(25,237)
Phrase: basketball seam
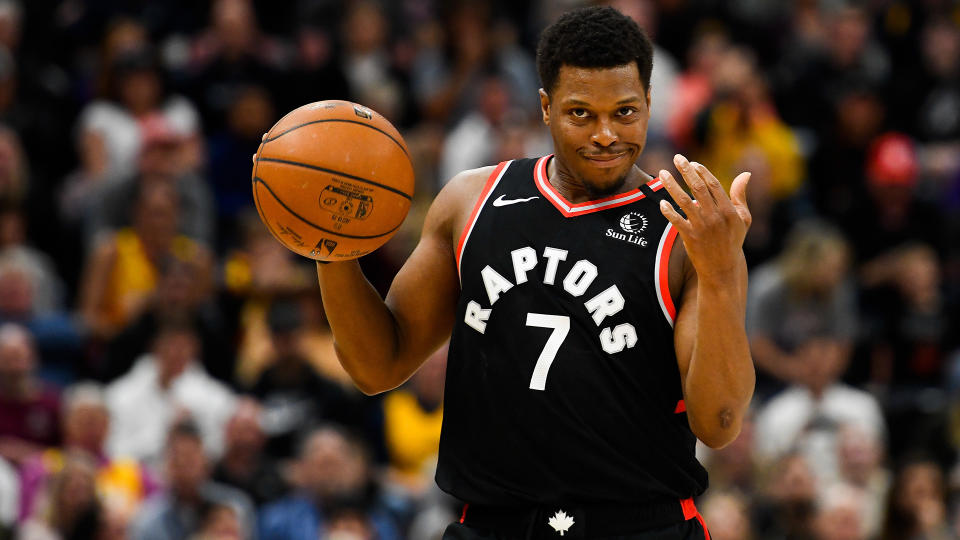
(298,126)
(332,171)
(314,225)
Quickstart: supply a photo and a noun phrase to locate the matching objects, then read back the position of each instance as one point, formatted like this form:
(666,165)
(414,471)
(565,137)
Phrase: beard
(596,192)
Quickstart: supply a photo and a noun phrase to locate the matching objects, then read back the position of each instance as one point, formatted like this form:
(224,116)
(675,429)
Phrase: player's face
(598,119)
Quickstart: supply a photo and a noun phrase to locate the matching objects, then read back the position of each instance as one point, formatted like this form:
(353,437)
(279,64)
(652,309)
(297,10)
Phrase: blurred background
(166,371)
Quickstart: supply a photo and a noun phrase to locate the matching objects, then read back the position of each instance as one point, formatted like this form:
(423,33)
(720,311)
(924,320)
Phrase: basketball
(332,180)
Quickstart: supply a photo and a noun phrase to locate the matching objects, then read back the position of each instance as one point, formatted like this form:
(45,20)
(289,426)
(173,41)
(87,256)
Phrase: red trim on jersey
(690,512)
(569,209)
(706,532)
(664,278)
(463,516)
(487,189)
(681,407)
(689,508)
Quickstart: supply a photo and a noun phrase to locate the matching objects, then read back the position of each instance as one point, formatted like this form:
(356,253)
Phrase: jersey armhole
(662,273)
(488,188)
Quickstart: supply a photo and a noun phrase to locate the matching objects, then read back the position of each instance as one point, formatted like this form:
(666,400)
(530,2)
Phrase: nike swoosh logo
(505,202)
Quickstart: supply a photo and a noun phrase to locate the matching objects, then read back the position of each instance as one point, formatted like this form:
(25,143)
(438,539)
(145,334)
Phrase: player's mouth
(607,160)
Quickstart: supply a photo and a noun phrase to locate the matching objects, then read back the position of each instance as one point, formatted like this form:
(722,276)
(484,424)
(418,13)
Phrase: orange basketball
(332,180)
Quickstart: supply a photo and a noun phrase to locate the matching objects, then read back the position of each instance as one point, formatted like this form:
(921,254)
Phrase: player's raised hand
(715,224)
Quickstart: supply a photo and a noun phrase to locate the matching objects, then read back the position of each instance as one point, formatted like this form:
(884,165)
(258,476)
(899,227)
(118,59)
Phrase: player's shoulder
(461,192)
(469,181)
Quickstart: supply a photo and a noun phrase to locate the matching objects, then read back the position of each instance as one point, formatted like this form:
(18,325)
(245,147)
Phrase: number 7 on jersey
(560,325)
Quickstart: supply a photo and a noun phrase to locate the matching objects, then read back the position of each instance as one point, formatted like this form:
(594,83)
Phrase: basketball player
(590,347)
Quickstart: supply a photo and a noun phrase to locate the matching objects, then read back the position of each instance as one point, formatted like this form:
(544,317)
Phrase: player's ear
(545,106)
(648,97)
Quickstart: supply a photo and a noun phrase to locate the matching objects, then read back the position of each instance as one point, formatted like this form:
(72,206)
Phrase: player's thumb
(738,196)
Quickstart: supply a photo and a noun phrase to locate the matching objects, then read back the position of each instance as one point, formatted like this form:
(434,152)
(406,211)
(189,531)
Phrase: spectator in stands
(837,182)
(860,459)
(244,464)
(24,192)
(911,330)
(844,54)
(183,296)
(29,409)
(349,522)
(733,468)
(158,389)
(742,118)
(249,115)
(891,214)
(31,294)
(785,504)
(294,396)
(917,506)
(179,511)
(46,288)
(694,87)
(446,70)
(122,273)
(473,140)
(160,162)
(69,507)
(230,54)
(219,522)
(260,270)
(333,469)
(412,416)
(368,63)
(840,514)
(809,416)
(122,483)
(728,515)
(927,108)
(110,137)
(112,129)
(801,306)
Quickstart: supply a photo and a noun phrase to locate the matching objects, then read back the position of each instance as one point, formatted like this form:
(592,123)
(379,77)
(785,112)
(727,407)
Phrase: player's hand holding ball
(332,180)
(715,226)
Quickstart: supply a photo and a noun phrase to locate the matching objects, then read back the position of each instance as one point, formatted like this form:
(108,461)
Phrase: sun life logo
(633,222)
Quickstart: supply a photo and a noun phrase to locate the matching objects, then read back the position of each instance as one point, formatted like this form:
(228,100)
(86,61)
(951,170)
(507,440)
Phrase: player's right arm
(381,343)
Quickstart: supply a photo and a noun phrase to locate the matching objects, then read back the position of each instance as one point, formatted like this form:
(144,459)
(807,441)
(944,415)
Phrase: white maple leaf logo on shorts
(560,522)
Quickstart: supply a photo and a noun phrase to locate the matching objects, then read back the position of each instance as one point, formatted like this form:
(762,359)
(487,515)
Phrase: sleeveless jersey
(562,383)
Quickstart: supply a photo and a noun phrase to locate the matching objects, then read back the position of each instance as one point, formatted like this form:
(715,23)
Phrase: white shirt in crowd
(141,412)
(795,420)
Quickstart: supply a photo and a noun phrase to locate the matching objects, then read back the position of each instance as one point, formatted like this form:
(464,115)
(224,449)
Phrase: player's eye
(579,113)
(626,111)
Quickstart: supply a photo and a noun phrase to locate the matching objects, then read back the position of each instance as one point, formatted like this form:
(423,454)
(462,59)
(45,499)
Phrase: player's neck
(574,190)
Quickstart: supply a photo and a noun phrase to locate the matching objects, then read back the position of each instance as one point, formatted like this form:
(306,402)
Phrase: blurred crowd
(166,371)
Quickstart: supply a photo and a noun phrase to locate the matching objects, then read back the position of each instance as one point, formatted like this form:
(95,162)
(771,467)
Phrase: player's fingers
(673,216)
(738,196)
(697,185)
(254,158)
(679,195)
(714,185)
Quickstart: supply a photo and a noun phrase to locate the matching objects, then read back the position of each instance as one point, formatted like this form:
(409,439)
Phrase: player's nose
(605,134)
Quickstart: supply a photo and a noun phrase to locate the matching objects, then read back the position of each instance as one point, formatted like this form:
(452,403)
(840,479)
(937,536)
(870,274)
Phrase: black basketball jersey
(562,383)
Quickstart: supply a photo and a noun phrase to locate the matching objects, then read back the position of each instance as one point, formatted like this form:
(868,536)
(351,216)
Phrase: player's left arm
(710,339)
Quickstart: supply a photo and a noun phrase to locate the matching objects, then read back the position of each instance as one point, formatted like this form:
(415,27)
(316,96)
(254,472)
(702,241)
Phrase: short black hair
(593,37)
